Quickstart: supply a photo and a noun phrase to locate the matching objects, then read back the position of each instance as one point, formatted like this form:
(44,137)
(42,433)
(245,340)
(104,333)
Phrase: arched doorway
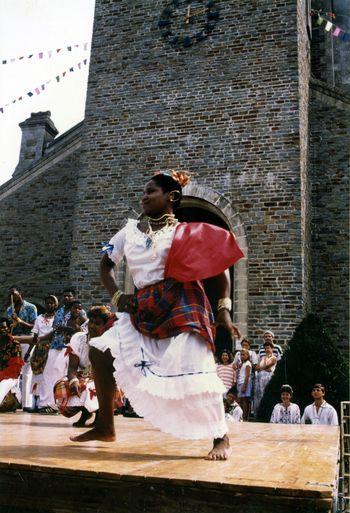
(206,205)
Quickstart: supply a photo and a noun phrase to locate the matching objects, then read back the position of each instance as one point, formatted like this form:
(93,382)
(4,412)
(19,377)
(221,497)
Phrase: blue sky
(30,27)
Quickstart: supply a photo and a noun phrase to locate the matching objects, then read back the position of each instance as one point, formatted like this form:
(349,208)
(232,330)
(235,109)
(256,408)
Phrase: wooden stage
(273,468)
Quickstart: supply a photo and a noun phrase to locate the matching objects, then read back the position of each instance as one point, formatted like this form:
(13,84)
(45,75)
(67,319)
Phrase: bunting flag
(329,25)
(38,90)
(47,53)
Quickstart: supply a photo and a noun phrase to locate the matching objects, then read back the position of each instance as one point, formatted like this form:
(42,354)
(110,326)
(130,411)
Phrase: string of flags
(329,26)
(45,54)
(43,87)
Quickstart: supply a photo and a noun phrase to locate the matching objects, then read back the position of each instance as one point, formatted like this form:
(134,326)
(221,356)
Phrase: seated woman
(225,369)
(286,412)
(76,392)
(11,364)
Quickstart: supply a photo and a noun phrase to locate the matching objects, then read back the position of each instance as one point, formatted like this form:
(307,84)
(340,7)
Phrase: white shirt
(235,413)
(80,348)
(326,415)
(252,355)
(146,258)
(241,372)
(43,325)
(282,415)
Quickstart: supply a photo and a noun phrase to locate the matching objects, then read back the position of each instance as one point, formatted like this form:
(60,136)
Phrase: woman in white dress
(265,369)
(286,412)
(161,348)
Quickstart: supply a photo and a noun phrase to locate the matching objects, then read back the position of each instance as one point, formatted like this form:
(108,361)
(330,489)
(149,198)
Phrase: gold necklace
(164,219)
(169,222)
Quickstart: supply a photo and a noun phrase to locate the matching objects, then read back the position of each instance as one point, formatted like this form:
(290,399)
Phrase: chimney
(37,131)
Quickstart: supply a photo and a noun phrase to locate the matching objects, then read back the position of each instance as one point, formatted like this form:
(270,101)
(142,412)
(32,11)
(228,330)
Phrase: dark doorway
(194,210)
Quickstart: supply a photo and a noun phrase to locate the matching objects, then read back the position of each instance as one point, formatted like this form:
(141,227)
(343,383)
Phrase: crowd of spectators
(45,368)
(246,375)
(44,359)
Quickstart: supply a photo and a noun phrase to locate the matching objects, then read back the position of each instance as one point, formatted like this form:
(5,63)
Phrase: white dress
(170,382)
(42,326)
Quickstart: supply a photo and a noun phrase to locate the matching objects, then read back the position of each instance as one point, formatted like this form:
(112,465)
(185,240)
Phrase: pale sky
(33,26)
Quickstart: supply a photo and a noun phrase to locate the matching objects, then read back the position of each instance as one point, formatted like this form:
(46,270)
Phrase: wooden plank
(269,462)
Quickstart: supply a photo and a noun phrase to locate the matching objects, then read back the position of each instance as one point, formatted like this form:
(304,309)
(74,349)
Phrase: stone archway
(204,197)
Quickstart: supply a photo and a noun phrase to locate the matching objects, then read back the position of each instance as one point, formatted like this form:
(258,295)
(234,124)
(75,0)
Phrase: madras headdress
(181,177)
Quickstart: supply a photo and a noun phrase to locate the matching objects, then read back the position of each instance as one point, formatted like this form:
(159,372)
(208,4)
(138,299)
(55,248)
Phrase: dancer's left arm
(223,284)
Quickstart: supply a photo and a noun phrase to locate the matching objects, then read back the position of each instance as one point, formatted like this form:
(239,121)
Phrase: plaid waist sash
(169,308)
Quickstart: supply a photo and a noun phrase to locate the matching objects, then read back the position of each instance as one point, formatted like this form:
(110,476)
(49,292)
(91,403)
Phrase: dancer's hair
(172,181)
(19,289)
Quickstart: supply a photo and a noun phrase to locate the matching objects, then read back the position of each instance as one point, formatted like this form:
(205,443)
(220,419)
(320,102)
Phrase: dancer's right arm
(125,303)
(107,275)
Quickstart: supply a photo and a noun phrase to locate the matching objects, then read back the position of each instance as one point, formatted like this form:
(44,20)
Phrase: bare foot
(221,449)
(94,434)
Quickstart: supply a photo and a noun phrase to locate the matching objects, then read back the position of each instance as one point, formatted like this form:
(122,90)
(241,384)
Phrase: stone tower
(258,112)
(233,110)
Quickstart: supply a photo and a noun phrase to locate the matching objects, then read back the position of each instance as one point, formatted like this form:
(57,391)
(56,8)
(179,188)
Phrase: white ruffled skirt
(172,382)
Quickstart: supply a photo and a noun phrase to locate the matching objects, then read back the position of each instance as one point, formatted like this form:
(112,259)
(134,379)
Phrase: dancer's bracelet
(226,303)
(116,297)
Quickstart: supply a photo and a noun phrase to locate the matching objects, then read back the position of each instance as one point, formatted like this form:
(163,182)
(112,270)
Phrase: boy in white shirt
(233,411)
(320,412)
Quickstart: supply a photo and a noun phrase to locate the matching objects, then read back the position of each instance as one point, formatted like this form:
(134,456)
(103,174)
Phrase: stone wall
(329,167)
(227,110)
(36,223)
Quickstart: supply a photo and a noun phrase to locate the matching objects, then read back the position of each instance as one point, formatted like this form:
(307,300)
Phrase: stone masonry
(265,138)
(227,110)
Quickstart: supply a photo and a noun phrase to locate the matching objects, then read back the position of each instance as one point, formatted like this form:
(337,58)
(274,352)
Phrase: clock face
(186,22)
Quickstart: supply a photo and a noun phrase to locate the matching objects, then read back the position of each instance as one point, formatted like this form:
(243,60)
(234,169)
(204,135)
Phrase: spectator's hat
(269,332)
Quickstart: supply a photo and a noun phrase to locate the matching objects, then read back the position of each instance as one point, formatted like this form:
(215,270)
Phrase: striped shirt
(227,374)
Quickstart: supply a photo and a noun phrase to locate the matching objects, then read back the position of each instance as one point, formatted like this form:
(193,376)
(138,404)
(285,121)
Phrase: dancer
(162,345)
(76,392)
(11,364)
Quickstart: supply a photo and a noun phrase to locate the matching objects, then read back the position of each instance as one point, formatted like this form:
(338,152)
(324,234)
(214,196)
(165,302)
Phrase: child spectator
(245,344)
(233,411)
(225,369)
(244,383)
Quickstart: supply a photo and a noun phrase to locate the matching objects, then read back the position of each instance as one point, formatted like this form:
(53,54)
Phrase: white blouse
(43,325)
(80,348)
(282,415)
(146,258)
